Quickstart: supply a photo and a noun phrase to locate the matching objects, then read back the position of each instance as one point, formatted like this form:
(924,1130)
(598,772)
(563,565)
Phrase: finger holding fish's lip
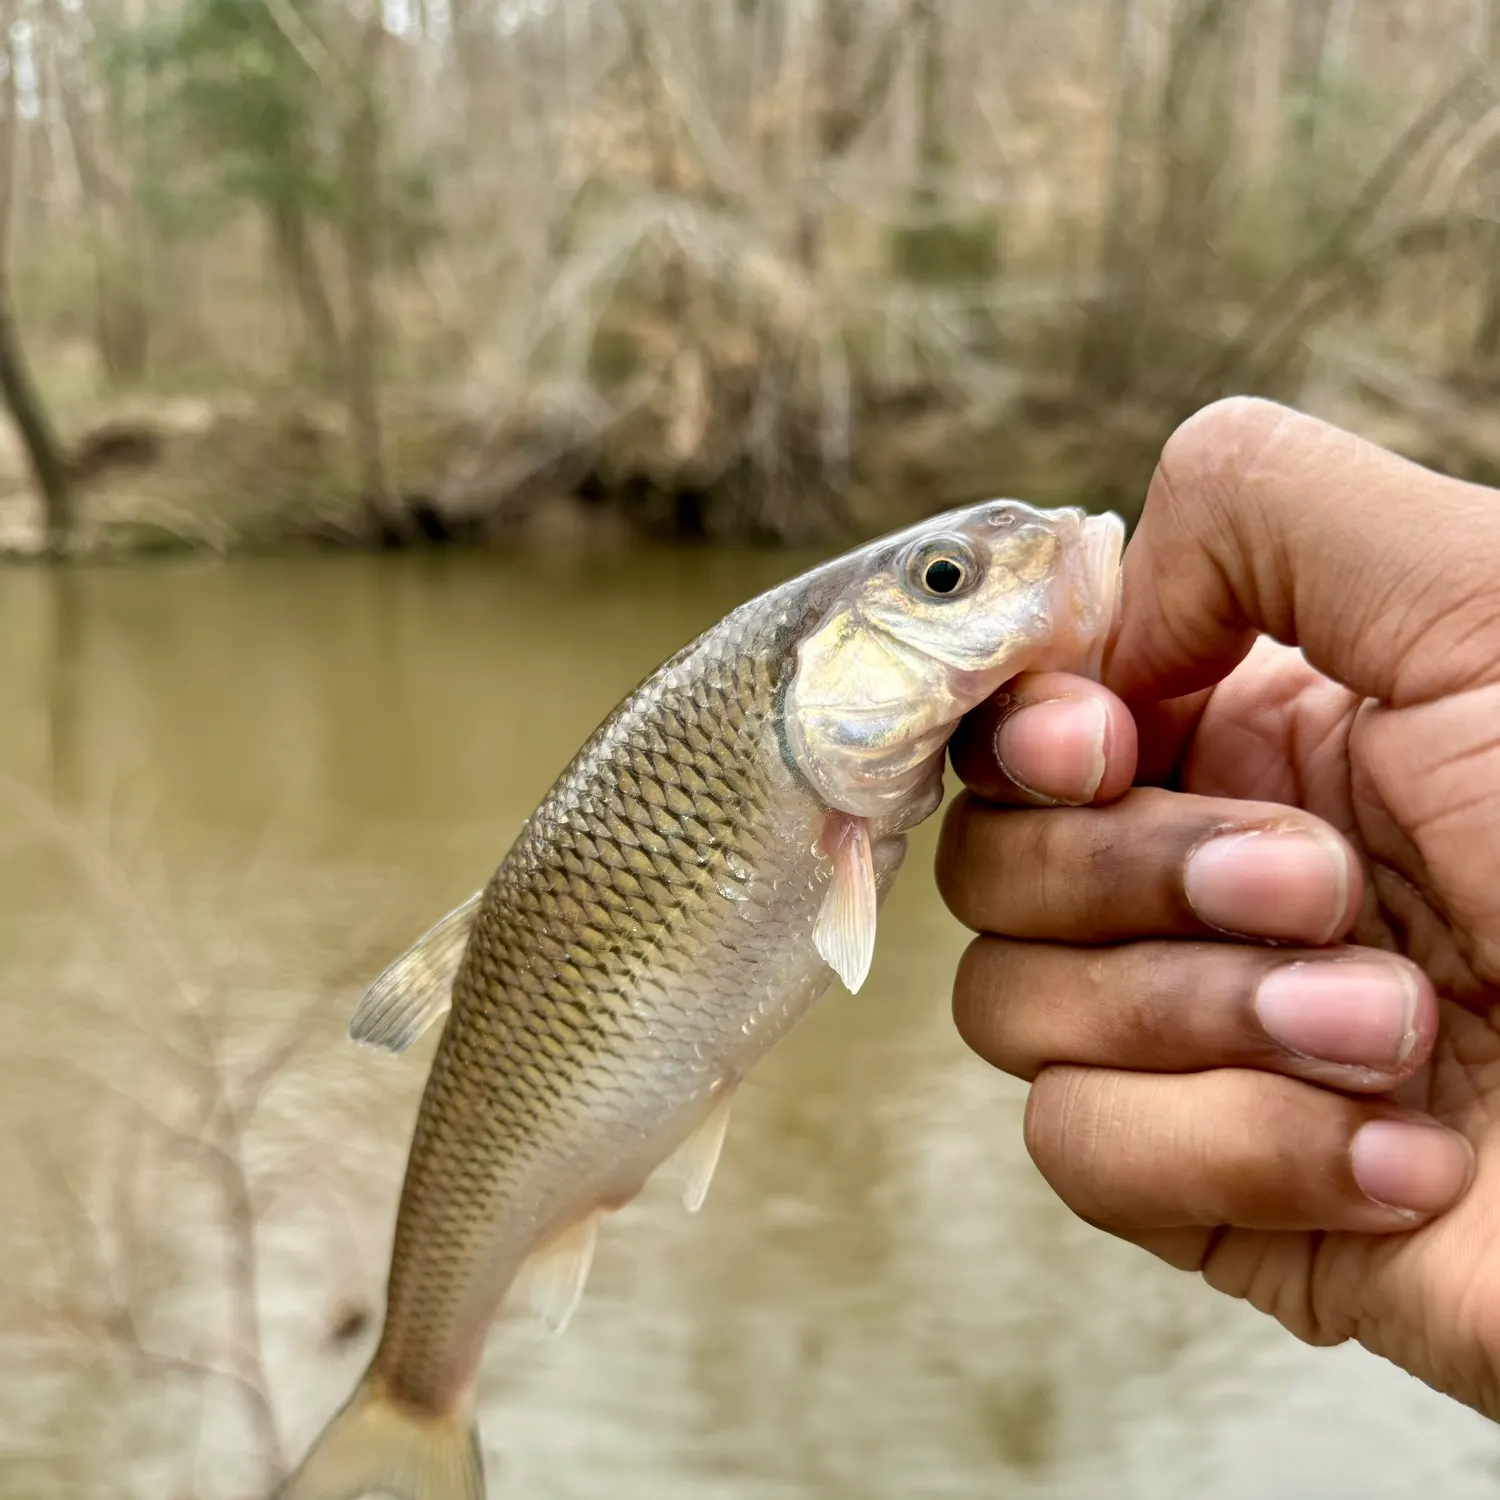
(1047,739)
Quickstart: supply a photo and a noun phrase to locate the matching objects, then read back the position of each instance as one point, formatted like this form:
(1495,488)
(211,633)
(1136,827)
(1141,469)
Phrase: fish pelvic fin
(552,1279)
(697,1158)
(374,1446)
(413,991)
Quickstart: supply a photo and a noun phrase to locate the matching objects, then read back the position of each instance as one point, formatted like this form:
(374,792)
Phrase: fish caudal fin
(375,1447)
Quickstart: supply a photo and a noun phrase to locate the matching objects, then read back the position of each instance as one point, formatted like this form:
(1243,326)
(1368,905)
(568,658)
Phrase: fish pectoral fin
(550,1282)
(410,994)
(844,934)
(697,1158)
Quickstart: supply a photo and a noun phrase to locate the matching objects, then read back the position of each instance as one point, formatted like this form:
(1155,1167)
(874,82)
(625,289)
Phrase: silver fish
(714,856)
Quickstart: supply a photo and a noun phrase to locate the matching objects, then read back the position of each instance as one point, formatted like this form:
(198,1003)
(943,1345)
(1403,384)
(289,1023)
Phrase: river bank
(244,472)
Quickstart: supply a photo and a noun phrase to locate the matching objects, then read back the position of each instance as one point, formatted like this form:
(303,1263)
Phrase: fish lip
(1102,550)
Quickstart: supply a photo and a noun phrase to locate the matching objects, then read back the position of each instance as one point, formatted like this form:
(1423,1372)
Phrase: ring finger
(1142,1152)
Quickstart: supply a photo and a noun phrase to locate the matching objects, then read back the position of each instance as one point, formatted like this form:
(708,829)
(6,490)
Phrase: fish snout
(1087,599)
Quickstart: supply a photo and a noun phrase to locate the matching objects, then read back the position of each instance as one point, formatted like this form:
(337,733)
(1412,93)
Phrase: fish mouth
(1103,547)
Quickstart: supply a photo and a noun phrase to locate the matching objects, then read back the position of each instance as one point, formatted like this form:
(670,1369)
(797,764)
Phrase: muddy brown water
(230,793)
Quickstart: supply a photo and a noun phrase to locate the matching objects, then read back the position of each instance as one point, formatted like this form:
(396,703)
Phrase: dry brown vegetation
(144,1191)
(751,269)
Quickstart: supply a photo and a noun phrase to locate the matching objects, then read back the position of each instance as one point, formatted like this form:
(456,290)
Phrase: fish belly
(540,1115)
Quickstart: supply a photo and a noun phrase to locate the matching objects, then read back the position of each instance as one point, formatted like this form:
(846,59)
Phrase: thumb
(1260,519)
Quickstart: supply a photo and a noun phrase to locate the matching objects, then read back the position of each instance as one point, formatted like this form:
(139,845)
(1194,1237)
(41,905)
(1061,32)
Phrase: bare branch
(309,46)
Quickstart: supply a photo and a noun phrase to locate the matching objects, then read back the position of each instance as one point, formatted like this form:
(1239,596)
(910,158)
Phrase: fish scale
(713,856)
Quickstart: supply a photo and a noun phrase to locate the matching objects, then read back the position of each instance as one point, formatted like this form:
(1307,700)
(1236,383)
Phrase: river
(231,792)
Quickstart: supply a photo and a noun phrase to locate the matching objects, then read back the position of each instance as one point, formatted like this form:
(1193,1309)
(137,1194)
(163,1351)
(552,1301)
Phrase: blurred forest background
(564,274)
(754,270)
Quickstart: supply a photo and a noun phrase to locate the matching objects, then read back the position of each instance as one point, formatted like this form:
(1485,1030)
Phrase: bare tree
(362,230)
(16,382)
(1486,350)
(122,325)
(691,259)
(848,92)
(933,147)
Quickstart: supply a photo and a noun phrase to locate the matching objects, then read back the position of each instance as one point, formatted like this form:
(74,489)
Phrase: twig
(310,47)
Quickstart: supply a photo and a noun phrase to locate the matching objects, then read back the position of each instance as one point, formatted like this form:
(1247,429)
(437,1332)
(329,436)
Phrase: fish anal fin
(375,1446)
(844,933)
(411,993)
(551,1281)
(697,1158)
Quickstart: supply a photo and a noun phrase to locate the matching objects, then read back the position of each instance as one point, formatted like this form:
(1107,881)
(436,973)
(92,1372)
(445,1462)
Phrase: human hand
(1254,991)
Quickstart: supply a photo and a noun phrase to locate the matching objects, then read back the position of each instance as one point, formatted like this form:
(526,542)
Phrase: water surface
(232,793)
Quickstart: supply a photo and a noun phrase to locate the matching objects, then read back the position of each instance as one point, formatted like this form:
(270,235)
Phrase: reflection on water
(283,771)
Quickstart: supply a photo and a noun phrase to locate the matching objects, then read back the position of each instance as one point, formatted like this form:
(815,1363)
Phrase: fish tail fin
(375,1446)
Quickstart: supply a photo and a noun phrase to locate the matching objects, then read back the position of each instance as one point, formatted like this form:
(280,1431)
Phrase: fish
(713,858)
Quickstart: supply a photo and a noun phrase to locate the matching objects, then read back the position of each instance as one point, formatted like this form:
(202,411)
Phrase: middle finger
(1155,863)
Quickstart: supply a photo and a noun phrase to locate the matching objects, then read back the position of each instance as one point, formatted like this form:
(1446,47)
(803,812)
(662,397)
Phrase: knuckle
(1198,998)
(974,988)
(1263,1151)
(1014,1004)
(1144,986)
(1205,463)
(1175,1006)
(1051,851)
(1006,871)
(954,863)
(1218,439)
(1064,1130)
(1074,859)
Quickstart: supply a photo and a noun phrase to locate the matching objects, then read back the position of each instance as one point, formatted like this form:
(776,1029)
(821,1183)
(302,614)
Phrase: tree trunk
(361,232)
(16,384)
(933,154)
(1311,34)
(472,29)
(31,419)
(1485,354)
(292,237)
(1104,349)
(844,103)
(1267,63)
(121,319)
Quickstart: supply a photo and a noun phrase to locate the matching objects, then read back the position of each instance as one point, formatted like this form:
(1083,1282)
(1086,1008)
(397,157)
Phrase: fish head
(926,625)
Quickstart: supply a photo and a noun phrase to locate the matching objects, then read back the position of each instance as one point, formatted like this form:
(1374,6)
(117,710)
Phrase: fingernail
(1355,1014)
(1056,748)
(1291,886)
(1419,1169)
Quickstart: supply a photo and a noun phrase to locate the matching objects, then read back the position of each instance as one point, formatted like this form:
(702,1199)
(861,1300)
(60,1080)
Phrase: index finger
(1261,519)
(1047,738)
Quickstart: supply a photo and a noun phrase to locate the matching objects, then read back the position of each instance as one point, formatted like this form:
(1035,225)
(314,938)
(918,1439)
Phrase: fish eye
(942,568)
(942,576)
